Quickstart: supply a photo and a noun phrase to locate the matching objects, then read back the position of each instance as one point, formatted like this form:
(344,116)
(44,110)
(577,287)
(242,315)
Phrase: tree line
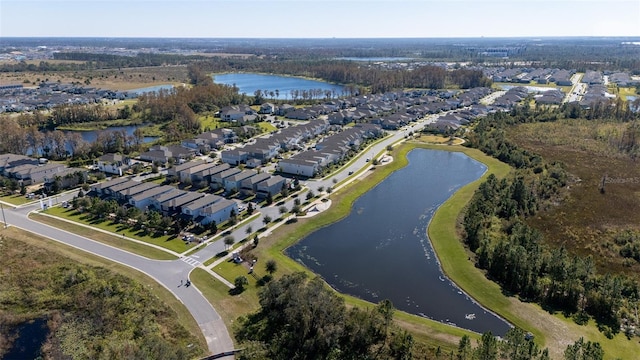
(513,253)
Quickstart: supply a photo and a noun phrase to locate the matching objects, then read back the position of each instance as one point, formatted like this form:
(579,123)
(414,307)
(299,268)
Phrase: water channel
(381,250)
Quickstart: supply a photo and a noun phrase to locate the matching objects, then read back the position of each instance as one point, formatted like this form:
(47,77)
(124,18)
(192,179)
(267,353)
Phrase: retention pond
(381,249)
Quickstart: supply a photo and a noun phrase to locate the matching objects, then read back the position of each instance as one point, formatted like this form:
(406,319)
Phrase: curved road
(168,273)
(171,273)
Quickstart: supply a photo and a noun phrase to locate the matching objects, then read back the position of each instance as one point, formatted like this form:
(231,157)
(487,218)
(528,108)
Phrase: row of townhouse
(231,179)
(199,207)
(524,75)
(211,140)
(398,109)
(329,151)
(266,148)
(511,97)
(163,153)
(452,121)
(29,171)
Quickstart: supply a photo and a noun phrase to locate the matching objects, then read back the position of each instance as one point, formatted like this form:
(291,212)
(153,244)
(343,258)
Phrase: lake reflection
(381,251)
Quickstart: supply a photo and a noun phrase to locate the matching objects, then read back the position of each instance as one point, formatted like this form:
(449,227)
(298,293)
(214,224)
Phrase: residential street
(167,273)
(171,273)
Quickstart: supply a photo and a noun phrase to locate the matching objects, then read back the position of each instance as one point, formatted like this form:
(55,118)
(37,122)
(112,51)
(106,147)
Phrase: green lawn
(109,239)
(16,199)
(172,243)
(209,122)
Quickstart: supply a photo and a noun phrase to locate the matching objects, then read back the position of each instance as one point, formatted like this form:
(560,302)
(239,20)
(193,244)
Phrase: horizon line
(317,38)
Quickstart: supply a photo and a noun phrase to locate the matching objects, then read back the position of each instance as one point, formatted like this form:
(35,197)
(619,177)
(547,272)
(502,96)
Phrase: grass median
(105,238)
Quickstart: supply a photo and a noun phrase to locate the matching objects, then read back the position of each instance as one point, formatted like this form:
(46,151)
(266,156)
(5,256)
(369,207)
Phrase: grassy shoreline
(427,332)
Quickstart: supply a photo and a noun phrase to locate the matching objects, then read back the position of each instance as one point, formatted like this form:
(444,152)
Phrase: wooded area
(515,255)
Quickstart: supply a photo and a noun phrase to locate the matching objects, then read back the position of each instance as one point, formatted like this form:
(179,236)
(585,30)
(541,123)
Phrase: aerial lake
(381,249)
(248,83)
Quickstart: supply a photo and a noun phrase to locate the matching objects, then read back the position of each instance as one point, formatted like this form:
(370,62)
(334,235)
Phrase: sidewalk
(177,255)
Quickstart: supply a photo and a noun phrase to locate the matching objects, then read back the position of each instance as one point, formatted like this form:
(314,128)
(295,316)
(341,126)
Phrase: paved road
(171,273)
(167,273)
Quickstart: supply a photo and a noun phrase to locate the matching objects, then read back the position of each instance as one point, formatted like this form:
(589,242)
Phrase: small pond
(28,344)
(381,250)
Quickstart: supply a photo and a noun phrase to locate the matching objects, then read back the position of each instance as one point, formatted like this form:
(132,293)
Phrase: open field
(180,314)
(105,238)
(113,79)
(587,221)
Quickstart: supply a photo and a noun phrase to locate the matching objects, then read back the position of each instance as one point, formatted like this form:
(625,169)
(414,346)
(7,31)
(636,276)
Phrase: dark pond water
(250,82)
(381,250)
(31,336)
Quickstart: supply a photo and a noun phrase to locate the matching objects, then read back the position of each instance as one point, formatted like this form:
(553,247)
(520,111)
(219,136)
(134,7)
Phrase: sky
(319,18)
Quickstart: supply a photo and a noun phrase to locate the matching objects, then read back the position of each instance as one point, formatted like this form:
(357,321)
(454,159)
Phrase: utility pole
(4,219)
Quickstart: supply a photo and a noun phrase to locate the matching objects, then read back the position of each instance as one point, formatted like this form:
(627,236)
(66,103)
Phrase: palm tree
(240,282)
(271,266)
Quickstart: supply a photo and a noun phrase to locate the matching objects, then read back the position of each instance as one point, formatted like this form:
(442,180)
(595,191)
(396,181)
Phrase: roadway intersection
(172,273)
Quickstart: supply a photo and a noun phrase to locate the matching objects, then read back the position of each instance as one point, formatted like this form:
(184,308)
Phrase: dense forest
(515,255)
(91,312)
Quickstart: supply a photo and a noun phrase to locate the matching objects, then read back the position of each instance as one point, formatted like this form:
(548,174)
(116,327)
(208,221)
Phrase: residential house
(271,186)
(99,188)
(177,169)
(193,209)
(217,180)
(249,185)
(301,164)
(267,108)
(188,173)
(234,157)
(156,202)
(67,178)
(284,109)
(143,200)
(8,161)
(115,164)
(233,182)
(113,190)
(125,195)
(219,212)
(29,174)
(174,205)
(162,154)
